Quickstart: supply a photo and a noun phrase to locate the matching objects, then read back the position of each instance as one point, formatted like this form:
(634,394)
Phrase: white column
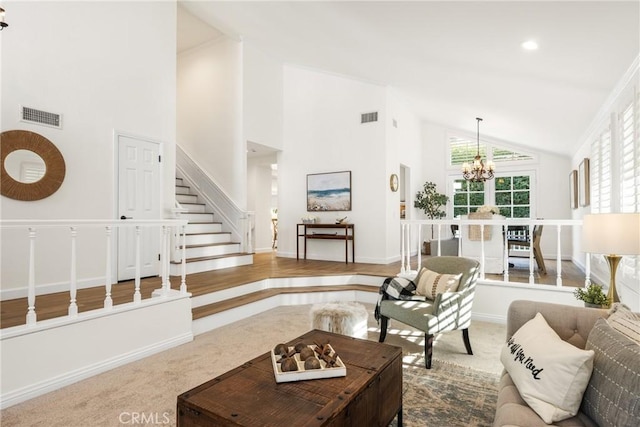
(73,287)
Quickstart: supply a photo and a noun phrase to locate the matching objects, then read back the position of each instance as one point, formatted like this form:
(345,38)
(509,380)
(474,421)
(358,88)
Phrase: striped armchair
(449,311)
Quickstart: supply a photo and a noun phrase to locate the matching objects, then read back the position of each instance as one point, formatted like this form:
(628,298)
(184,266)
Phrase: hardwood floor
(266,265)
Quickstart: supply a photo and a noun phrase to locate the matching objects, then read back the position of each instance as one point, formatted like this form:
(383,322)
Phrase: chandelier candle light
(613,235)
(477,172)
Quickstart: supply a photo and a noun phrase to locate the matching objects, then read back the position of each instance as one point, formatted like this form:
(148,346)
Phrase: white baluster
(419,266)
(183,281)
(439,239)
(402,232)
(482,251)
(73,290)
(137,296)
(108,302)
(531,278)
(587,270)
(31,290)
(559,259)
(164,251)
(506,253)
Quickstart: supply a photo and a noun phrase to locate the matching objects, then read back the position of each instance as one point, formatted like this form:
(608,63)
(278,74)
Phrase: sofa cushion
(623,320)
(549,373)
(612,397)
(430,283)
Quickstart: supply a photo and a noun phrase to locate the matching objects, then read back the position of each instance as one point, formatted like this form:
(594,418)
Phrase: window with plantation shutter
(629,160)
(464,150)
(601,176)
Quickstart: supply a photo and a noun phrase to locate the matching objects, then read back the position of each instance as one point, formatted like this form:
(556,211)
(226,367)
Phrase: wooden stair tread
(204,234)
(218,307)
(207,258)
(206,245)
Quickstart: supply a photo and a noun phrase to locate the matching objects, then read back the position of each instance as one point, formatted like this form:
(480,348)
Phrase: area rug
(448,395)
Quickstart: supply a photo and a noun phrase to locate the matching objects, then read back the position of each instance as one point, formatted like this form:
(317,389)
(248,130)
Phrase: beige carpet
(144,392)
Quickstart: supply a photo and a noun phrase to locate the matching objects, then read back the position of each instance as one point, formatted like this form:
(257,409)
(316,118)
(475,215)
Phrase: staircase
(208,247)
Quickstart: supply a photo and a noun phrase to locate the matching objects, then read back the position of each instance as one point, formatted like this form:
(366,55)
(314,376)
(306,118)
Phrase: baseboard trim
(50,288)
(38,389)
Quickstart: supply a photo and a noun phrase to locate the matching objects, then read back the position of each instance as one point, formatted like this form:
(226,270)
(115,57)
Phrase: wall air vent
(31,115)
(369,117)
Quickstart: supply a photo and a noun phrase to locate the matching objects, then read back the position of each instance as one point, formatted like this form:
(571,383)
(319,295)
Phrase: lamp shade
(613,234)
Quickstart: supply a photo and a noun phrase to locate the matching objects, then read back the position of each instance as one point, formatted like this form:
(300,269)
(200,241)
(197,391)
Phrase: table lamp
(612,235)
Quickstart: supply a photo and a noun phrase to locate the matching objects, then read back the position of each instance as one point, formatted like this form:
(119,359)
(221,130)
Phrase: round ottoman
(346,318)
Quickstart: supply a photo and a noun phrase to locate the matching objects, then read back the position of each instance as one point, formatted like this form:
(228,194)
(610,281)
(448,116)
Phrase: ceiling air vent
(369,117)
(31,115)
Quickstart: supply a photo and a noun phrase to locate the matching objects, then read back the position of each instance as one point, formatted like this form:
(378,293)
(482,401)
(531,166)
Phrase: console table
(345,232)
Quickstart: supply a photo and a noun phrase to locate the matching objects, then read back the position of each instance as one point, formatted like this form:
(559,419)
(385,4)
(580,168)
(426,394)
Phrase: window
(463,149)
(600,177)
(513,196)
(467,196)
(629,160)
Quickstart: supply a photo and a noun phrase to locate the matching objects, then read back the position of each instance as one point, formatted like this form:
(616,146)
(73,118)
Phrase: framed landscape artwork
(573,189)
(329,191)
(583,183)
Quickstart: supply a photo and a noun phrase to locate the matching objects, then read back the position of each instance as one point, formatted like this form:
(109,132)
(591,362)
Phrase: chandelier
(476,172)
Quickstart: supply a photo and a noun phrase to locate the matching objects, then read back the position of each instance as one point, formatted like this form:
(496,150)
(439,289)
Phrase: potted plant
(593,296)
(431,202)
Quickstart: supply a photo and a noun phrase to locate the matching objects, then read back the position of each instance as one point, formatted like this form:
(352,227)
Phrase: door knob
(126,217)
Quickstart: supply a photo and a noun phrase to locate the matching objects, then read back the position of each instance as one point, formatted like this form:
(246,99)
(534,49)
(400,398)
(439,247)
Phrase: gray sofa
(573,325)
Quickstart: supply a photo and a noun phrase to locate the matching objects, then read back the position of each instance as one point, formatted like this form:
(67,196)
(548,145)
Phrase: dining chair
(532,241)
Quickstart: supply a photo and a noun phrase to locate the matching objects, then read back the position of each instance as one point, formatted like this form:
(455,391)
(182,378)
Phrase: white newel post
(108,302)
(137,296)
(31,290)
(73,287)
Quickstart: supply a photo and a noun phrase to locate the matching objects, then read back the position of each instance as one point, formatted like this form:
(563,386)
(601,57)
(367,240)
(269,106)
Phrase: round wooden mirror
(28,179)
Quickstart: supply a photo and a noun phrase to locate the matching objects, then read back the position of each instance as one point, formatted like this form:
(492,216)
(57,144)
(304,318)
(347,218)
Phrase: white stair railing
(411,236)
(165,227)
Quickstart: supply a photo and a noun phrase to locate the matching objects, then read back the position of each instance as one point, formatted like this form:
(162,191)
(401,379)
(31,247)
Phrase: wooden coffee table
(369,395)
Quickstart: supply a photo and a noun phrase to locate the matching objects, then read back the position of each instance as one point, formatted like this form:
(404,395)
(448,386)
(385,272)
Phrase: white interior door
(138,198)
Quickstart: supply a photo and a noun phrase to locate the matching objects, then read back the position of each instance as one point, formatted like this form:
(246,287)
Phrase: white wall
(627,283)
(404,147)
(322,133)
(262,94)
(209,98)
(59,352)
(104,68)
(259,201)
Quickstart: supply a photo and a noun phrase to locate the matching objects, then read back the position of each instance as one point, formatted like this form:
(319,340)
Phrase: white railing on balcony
(414,233)
(172,234)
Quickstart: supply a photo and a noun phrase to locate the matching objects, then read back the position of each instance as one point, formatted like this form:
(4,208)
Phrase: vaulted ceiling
(454,61)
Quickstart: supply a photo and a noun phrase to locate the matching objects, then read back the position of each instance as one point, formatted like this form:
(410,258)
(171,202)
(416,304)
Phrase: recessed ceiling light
(530,45)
